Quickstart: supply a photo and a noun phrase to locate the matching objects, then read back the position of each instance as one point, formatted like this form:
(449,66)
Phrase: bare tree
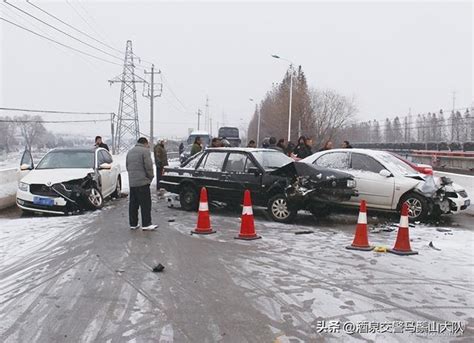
(31,128)
(7,133)
(331,111)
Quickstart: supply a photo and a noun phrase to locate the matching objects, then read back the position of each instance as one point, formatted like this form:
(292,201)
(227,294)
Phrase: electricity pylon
(127,130)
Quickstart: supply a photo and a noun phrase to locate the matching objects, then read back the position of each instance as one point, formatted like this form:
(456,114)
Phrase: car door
(209,174)
(105,173)
(114,171)
(239,173)
(26,163)
(377,190)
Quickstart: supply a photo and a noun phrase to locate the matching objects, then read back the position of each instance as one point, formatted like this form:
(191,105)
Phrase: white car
(385,183)
(68,181)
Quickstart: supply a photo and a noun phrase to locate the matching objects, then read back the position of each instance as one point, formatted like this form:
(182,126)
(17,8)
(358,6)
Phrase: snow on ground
(298,280)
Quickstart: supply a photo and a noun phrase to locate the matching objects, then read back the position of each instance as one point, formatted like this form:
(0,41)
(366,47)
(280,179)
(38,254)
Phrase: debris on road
(158,268)
(439,229)
(380,249)
(304,232)
(433,247)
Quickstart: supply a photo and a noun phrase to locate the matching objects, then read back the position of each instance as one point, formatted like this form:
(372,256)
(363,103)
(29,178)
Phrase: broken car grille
(44,190)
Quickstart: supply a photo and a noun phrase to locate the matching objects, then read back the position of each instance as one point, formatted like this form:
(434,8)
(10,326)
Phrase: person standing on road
(161,160)
(100,144)
(303,149)
(346,145)
(181,148)
(272,144)
(281,144)
(216,143)
(327,146)
(252,144)
(197,147)
(140,175)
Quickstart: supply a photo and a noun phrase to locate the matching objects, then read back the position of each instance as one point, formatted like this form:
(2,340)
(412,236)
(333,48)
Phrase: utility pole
(199,118)
(454,100)
(207,117)
(151,94)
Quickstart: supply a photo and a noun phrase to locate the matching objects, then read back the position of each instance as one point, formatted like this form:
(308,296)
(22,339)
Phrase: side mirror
(25,167)
(385,173)
(254,170)
(105,166)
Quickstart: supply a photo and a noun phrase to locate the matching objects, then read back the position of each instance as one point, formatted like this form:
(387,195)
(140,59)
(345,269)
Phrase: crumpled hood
(52,176)
(316,173)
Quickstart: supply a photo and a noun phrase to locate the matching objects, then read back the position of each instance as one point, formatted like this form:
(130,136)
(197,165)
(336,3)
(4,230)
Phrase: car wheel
(118,189)
(95,198)
(278,209)
(188,198)
(417,206)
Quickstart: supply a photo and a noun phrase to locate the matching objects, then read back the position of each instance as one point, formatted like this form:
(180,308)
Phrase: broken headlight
(351,184)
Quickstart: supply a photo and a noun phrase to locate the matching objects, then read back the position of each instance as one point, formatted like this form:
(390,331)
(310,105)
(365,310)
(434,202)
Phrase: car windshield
(271,159)
(67,159)
(394,164)
(229,132)
(205,139)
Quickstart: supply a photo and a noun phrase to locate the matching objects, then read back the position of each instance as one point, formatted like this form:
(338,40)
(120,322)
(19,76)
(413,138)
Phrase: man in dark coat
(161,160)
(100,144)
(303,149)
(140,175)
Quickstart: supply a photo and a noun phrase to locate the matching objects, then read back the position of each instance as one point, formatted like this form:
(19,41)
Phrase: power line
(59,43)
(173,93)
(61,31)
(72,27)
(52,121)
(50,111)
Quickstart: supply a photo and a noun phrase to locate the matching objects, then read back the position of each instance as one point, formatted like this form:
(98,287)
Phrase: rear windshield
(67,159)
(270,160)
(205,139)
(229,132)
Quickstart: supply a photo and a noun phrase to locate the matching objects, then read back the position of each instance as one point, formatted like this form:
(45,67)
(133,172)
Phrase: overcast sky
(390,56)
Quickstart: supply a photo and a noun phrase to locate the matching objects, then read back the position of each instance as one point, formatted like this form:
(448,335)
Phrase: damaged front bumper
(61,198)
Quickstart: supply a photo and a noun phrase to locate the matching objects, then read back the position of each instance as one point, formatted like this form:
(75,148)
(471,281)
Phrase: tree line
(28,131)
(422,128)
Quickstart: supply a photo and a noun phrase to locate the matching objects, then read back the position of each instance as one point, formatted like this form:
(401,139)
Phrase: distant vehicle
(274,180)
(68,181)
(385,182)
(231,134)
(205,138)
(421,168)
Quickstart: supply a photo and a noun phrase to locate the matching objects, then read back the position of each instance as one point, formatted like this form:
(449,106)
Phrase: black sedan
(274,180)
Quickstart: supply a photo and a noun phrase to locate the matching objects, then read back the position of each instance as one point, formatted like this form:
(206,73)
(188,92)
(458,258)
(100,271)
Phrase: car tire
(278,210)
(188,198)
(417,206)
(95,199)
(118,189)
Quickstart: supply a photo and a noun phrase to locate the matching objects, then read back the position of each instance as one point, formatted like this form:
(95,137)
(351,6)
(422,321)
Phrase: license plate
(43,201)
(467,203)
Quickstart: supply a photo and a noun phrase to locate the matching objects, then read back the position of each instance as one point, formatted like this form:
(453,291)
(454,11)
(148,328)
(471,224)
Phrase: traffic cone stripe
(247,210)
(203,206)
(404,221)
(362,218)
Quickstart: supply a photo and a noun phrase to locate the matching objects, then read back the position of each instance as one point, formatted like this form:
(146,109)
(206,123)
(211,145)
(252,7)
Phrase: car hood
(316,173)
(52,176)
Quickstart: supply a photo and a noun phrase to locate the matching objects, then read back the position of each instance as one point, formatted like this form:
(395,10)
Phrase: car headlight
(351,183)
(23,186)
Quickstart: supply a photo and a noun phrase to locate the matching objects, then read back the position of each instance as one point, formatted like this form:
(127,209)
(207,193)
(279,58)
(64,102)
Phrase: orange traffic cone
(402,244)
(361,240)
(203,226)
(247,226)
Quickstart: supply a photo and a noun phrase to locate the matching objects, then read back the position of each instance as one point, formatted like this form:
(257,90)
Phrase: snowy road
(88,278)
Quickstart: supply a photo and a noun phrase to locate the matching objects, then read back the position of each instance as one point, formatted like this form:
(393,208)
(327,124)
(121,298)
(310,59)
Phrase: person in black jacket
(303,149)
(100,144)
